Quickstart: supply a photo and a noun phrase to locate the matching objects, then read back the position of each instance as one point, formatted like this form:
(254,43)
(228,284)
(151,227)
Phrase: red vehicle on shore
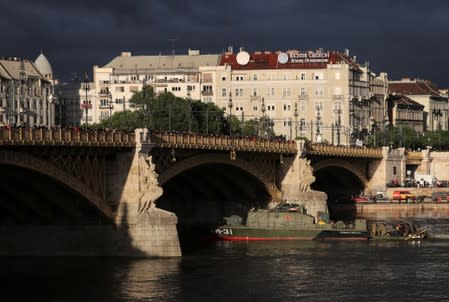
(361,198)
(404,195)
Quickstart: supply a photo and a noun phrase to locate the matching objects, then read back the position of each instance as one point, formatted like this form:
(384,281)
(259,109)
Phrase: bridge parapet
(343,151)
(192,141)
(73,137)
(414,157)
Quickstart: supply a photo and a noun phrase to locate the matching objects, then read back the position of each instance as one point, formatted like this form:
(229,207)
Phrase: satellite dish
(282,58)
(242,58)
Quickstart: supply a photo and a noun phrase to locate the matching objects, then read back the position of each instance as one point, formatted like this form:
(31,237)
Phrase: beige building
(116,82)
(26,92)
(324,96)
(404,112)
(425,93)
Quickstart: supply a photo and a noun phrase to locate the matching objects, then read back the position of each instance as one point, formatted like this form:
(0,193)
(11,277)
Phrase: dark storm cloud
(403,38)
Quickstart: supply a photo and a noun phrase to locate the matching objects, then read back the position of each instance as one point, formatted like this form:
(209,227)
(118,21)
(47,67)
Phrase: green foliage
(410,139)
(166,112)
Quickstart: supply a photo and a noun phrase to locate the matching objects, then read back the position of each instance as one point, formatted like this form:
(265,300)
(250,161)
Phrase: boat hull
(243,233)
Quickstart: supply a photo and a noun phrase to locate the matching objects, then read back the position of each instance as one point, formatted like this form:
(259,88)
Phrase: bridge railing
(192,141)
(414,156)
(343,151)
(58,136)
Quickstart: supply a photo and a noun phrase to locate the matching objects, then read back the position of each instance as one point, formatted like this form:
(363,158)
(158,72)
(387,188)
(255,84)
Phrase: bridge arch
(358,170)
(220,158)
(41,166)
(339,179)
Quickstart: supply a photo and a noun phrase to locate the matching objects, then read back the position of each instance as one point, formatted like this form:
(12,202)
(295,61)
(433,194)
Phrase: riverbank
(385,210)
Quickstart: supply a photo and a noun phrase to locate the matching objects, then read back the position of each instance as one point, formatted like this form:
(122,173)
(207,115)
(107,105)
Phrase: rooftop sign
(309,57)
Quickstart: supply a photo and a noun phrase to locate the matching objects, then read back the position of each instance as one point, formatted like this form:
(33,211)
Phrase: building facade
(323,96)
(26,93)
(116,82)
(404,112)
(435,104)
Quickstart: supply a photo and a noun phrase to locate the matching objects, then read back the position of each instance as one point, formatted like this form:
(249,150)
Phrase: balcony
(207,93)
(255,98)
(106,106)
(303,97)
(104,93)
(338,97)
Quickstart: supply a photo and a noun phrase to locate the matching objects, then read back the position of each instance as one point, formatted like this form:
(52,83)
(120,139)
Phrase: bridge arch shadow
(201,194)
(340,180)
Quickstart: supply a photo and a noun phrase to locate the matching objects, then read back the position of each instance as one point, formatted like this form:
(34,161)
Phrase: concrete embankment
(402,210)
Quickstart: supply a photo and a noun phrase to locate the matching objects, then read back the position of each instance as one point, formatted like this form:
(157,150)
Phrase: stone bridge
(106,184)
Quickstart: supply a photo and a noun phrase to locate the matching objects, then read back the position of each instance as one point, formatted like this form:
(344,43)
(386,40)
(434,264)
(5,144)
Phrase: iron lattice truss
(89,168)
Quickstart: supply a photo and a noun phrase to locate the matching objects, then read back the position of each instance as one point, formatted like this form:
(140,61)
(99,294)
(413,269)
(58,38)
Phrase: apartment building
(435,115)
(116,82)
(405,112)
(325,96)
(26,92)
(322,95)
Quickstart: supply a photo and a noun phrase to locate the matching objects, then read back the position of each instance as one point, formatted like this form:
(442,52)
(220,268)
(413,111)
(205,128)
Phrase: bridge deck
(64,137)
(192,141)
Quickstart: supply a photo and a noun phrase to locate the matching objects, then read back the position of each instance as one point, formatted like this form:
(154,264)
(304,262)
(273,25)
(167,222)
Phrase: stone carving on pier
(306,177)
(149,189)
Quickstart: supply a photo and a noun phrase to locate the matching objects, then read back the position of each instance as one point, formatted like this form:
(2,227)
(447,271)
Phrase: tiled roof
(418,87)
(163,62)
(269,60)
(400,99)
(11,69)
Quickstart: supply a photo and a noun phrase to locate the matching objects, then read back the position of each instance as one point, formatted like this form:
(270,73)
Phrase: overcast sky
(403,38)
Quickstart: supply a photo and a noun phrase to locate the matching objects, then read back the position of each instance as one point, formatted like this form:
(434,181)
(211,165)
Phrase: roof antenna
(172,40)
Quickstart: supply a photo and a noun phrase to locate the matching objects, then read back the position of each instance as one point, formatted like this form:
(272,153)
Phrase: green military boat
(289,222)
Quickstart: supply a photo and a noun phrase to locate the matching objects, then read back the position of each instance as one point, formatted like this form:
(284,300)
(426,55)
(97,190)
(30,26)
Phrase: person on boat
(373,230)
(383,230)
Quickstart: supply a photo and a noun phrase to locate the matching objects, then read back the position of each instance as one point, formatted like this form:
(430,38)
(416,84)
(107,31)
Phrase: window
(255,77)
(223,78)
(223,92)
(271,108)
(394,170)
(254,91)
(254,108)
(302,92)
(337,76)
(120,89)
(273,92)
(302,76)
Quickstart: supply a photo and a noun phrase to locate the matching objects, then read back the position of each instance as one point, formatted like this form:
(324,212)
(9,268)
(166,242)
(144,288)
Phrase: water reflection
(149,280)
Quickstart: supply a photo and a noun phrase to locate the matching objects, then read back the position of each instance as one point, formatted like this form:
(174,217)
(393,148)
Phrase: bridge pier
(149,231)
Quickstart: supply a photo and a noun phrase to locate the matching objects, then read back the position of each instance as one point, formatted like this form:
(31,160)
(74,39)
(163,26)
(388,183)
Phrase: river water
(241,271)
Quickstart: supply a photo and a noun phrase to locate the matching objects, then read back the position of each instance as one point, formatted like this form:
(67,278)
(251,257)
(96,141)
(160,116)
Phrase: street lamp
(338,125)
(110,111)
(86,104)
(60,107)
(230,112)
(318,120)
(262,108)
(23,81)
(296,120)
(189,122)
(242,121)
